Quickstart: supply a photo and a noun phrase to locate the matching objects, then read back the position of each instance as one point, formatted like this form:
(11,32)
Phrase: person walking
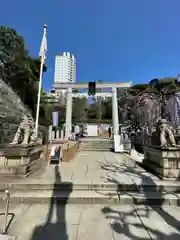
(109,131)
(77,131)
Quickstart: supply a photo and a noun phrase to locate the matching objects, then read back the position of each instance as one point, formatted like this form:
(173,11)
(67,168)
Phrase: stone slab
(88,221)
(160,222)
(93,225)
(125,223)
(44,221)
(6,237)
(149,198)
(79,222)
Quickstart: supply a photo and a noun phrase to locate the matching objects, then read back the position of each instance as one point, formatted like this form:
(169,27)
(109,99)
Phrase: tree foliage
(80,109)
(17,68)
(168,84)
(144,101)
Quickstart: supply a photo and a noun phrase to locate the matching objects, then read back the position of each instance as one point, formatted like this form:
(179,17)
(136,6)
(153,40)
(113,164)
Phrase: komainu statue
(163,136)
(27,128)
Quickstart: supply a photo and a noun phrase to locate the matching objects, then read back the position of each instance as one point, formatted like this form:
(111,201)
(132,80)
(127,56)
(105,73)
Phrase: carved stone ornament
(27,128)
(163,136)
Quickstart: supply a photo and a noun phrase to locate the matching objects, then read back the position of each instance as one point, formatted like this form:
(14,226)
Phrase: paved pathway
(97,168)
(107,222)
(102,222)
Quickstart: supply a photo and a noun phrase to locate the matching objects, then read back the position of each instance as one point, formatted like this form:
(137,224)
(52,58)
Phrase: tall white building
(65,68)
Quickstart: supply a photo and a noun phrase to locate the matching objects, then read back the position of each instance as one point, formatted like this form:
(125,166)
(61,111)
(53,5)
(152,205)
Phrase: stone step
(109,144)
(93,197)
(67,186)
(7,237)
(96,145)
(95,149)
(158,186)
(104,142)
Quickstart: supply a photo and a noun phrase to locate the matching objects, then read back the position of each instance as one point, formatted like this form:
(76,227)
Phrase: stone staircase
(105,193)
(144,189)
(93,144)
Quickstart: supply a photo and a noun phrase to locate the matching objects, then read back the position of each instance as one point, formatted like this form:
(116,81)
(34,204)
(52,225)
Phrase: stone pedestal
(21,160)
(118,145)
(163,162)
(50,133)
(62,135)
(57,134)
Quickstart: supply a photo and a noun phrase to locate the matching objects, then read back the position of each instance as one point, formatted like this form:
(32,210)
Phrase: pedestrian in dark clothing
(109,131)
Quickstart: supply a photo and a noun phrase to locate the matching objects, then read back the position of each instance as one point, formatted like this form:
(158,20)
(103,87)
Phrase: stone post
(57,134)
(53,135)
(115,118)
(62,134)
(50,133)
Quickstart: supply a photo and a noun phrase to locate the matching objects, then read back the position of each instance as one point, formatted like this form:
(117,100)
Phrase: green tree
(92,111)
(75,90)
(80,109)
(49,104)
(100,108)
(108,109)
(168,85)
(138,88)
(17,68)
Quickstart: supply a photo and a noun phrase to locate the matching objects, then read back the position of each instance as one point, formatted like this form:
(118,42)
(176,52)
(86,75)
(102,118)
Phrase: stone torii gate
(115,118)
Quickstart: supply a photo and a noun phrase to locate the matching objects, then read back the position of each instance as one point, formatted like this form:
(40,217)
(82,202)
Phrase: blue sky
(117,40)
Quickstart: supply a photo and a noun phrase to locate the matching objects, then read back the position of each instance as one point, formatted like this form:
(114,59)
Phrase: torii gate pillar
(68,124)
(118,145)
